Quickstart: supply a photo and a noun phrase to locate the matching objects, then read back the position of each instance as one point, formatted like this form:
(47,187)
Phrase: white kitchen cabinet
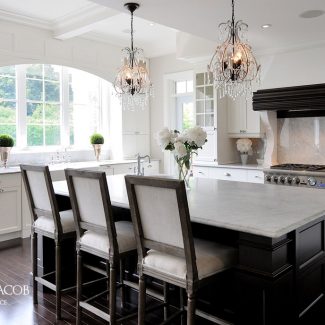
(134,144)
(229,174)
(201,172)
(255,176)
(10,205)
(242,120)
(151,168)
(124,169)
(211,115)
(135,122)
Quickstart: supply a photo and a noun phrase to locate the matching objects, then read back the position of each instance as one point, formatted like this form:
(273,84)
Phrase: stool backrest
(40,193)
(161,219)
(91,204)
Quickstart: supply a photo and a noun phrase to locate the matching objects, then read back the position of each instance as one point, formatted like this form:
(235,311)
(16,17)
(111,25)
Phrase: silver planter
(97,150)
(4,155)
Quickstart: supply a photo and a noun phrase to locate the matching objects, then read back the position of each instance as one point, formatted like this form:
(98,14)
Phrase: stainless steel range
(312,176)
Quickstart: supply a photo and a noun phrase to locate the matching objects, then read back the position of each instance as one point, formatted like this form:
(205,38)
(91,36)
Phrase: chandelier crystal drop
(132,83)
(233,67)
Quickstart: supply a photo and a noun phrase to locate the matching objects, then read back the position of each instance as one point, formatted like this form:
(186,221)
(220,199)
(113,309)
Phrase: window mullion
(65,129)
(21,106)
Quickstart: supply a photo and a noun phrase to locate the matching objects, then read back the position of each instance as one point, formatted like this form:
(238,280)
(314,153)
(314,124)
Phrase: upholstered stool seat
(211,258)
(95,241)
(47,223)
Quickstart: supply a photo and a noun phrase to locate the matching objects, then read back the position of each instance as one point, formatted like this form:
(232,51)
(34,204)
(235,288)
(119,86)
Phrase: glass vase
(184,173)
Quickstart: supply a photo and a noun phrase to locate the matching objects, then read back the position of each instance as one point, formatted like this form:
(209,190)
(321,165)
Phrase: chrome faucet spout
(139,171)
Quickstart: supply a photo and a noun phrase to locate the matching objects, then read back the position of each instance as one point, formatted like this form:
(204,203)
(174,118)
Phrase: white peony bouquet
(183,145)
(244,145)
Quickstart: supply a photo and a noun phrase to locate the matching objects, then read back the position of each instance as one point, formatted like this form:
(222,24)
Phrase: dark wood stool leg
(122,283)
(166,300)
(191,301)
(79,285)
(142,300)
(34,263)
(58,278)
(181,304)
(112,294)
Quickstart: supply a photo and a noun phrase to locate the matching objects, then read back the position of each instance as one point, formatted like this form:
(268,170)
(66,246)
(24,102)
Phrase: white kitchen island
(279,232)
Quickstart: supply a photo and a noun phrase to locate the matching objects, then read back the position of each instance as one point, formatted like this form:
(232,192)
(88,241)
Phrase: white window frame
(21,113)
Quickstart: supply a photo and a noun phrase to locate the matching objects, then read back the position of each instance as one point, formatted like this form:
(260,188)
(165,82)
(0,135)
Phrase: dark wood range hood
(299,101)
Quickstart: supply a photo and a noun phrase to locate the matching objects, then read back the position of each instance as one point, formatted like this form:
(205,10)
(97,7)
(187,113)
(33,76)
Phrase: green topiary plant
(96,138)
(6,140)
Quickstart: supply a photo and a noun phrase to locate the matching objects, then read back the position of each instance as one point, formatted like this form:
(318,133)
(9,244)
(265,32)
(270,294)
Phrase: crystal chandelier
(233,65)
(132,83)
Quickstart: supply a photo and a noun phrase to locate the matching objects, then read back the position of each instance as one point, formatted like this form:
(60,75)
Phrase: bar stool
(49,222)
(98,234)
(166,248)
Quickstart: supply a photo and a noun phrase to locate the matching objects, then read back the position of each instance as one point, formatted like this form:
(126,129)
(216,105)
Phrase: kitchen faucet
(139,171)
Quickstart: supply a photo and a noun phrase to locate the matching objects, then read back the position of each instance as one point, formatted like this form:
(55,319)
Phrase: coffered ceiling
(157,21)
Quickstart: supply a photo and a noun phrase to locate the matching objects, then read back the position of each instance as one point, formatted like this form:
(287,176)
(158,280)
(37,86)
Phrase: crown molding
(25,20)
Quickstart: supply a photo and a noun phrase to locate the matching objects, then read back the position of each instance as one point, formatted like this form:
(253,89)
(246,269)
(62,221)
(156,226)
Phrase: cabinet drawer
(229,174)
(255,176)
(10,180)
(201,172)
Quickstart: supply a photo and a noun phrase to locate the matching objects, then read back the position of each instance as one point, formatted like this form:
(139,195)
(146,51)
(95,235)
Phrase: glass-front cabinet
(205,101)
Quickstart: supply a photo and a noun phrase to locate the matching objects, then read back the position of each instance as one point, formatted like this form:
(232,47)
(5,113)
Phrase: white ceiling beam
(81,22)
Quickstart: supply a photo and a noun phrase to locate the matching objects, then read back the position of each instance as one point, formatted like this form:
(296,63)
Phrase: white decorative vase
(97,150)
(4,155)
(243,158)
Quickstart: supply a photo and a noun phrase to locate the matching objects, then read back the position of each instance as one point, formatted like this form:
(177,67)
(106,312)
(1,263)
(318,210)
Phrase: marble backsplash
(301,140)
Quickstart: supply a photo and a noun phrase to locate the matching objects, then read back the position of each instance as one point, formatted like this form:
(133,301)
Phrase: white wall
(23,44)
(293,68)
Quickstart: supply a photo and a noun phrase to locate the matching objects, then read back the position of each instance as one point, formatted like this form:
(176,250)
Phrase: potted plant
(6,143)
(97,141)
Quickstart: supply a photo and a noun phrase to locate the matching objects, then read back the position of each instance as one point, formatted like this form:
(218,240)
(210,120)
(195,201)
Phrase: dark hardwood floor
(15,267)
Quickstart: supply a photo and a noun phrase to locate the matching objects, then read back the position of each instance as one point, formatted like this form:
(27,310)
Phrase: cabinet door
(209,150)
(134,144)
(124,169)
(253,118)
(135,122)
(229,174)
(255,176)
(201,172)
(10,209)
(236,109)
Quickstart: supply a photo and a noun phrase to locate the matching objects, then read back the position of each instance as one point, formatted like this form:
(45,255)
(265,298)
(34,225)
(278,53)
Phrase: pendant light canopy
(233,65)
(132,83)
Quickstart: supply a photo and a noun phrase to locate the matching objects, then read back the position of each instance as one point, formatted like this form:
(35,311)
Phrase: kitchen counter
(279,233)
(80,164)
(260,209)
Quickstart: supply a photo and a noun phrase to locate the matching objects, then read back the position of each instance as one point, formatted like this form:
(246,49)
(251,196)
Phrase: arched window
(48,105)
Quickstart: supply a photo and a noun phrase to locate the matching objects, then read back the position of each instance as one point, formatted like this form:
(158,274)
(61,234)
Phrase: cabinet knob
(200,172)
(227,174)
(1,190)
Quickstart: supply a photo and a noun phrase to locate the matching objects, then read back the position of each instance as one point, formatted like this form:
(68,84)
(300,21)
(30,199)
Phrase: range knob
(288,180)
(312,181)
(282,179)
(268,178)
(274,179)
(296,180)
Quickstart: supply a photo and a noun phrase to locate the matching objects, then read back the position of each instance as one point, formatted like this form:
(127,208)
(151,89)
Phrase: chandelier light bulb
(233,66)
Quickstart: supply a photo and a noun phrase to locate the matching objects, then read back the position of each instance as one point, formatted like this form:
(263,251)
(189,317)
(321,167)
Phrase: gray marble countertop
(80,164)
(261,209)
